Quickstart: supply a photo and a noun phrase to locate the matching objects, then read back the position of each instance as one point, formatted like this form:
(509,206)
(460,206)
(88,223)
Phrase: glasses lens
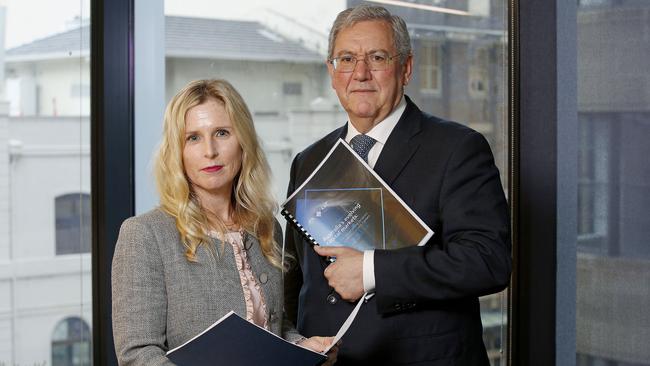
(344,63)
(375,61)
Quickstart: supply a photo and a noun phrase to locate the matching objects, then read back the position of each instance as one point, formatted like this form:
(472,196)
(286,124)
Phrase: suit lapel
(343,132)
(317,155)
(401,144)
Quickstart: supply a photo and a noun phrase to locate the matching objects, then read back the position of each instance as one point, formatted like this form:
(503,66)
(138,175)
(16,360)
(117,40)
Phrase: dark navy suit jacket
(426,309)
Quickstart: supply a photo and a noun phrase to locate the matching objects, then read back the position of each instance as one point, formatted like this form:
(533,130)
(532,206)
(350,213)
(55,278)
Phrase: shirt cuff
(369,271)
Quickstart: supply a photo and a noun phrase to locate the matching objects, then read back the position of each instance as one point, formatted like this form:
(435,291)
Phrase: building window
(429,64)
(593,171)
(478,73)
(292,88)
(71,343)
(266,113)
(588,3)
(72,212)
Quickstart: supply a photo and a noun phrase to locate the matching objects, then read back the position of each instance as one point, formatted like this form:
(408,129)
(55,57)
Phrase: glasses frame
(334,61)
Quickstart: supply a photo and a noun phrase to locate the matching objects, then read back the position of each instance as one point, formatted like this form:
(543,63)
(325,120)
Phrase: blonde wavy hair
(254,206)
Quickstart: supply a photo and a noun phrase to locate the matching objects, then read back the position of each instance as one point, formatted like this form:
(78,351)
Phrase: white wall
(55,80)
(54,159)
(49,157)
(4,182)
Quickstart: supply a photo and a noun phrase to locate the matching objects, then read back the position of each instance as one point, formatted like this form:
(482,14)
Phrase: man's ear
(330,70)
(408,69)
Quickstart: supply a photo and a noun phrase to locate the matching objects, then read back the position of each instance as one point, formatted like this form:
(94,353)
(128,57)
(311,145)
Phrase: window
(289,88)
(71,343)
(478,73)
(429,68)
(593,172)
(613,183)
(72,213)
(287,46)
(44,182)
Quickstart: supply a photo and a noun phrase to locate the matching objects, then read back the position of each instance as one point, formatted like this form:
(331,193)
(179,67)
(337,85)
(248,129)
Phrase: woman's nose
(210,150)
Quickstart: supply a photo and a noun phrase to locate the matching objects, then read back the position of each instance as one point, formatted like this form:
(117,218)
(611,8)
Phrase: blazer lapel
(400,145)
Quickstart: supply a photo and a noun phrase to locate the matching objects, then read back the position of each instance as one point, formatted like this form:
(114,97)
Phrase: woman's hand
(320,344)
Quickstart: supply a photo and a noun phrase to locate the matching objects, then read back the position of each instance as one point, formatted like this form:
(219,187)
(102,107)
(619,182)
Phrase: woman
(212,245)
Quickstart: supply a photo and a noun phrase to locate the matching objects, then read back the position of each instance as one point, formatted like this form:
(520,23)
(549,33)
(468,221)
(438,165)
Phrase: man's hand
(345,275)
(320,344)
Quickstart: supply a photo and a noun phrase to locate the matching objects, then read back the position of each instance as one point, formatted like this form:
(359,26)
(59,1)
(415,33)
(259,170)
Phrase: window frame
(112,157)
(543,135)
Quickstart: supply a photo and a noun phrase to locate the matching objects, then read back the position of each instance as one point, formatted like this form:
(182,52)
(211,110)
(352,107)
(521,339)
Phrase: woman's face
(212,155)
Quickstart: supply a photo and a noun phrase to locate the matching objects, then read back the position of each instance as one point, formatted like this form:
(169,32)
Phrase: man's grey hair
(365,12)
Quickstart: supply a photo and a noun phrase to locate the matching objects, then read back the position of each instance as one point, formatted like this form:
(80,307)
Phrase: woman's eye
(222,133)
(192,138)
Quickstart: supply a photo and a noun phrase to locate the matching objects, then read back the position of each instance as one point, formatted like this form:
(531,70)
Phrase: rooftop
(185,37)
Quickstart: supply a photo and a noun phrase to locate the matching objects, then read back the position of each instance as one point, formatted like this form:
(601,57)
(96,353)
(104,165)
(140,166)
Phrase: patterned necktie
(362,144)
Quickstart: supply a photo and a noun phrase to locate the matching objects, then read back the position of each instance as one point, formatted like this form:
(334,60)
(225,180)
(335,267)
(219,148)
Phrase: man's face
(368,96)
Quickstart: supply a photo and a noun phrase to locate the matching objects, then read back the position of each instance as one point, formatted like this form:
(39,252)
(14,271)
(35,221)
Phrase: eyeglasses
(376,61)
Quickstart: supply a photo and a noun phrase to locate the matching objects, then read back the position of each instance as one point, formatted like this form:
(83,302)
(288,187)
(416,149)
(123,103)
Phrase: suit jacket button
(331,299)
(264,278)
(397,306)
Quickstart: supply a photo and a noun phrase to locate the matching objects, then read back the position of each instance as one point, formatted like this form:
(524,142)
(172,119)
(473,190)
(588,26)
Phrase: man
(425,310)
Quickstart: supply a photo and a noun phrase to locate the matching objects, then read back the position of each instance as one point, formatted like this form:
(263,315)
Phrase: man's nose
(361,70)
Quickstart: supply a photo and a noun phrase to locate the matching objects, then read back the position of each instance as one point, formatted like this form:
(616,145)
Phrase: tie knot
(362,144)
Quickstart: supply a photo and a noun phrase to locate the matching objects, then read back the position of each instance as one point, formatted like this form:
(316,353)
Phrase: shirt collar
(381,130)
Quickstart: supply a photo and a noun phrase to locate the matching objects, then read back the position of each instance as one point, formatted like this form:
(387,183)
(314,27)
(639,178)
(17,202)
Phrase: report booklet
(232,340)
(344,202)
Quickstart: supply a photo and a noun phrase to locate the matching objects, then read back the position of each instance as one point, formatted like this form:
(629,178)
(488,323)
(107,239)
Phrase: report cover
(232,340)
(345,203)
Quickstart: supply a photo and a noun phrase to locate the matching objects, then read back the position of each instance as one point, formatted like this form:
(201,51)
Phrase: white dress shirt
(380,133)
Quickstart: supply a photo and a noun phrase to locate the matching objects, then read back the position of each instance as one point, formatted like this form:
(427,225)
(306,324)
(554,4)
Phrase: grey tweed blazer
(160,300)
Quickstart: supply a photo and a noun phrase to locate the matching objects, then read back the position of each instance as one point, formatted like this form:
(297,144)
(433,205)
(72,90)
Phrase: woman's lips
(212,169)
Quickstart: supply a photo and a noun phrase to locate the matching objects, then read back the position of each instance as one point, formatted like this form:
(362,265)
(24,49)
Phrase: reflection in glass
(613,267)
(45,284)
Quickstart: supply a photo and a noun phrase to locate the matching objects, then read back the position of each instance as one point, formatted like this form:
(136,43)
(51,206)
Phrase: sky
(28,20)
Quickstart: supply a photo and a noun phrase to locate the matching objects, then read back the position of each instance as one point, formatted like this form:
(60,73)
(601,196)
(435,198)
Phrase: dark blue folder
(234,341)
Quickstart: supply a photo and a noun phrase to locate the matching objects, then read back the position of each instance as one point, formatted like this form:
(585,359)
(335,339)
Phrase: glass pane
(45,277)
(613,268)
(276,59)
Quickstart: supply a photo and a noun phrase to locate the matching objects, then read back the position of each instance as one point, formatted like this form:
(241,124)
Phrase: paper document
(344,202)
